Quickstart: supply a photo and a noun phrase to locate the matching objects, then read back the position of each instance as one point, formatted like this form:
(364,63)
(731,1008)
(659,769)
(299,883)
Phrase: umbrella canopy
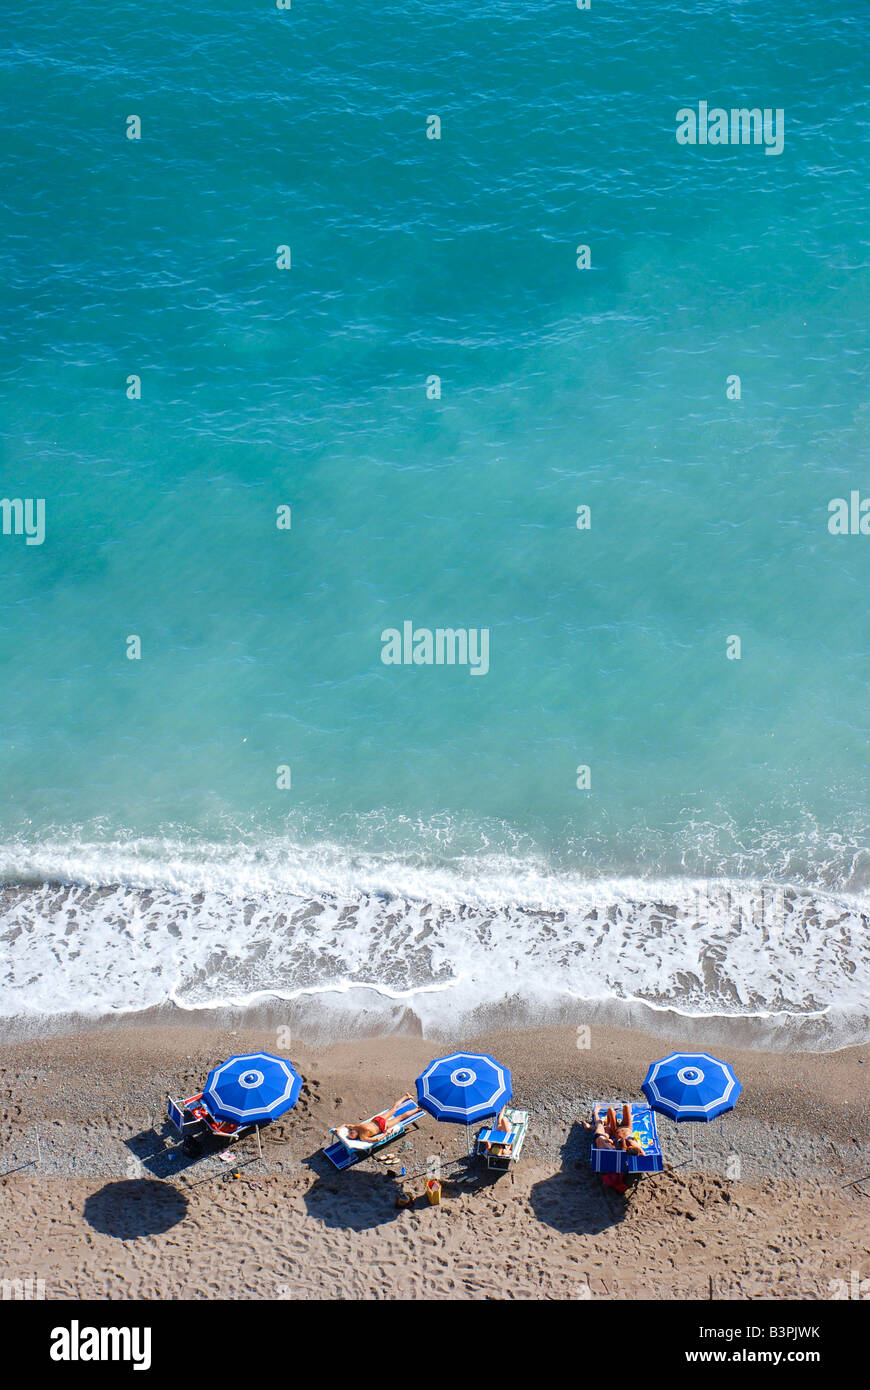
(691,1086)
(252,1089)
(464,1087)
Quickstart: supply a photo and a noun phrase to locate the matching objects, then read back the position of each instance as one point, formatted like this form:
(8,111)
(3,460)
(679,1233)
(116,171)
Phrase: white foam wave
(125,925)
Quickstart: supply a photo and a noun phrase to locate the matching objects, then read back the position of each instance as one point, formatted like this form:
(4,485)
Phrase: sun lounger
(345,1152)
(509,1143)
(643,1124)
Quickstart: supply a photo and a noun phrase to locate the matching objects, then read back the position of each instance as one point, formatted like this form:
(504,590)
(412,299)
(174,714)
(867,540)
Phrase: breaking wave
(123,927)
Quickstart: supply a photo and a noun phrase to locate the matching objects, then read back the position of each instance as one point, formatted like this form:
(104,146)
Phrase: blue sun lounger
(344,1153)
(643,1123)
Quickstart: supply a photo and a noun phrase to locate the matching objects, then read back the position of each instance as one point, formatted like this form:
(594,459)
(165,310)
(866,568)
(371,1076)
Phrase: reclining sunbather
(371,1129)
(504,1125)
(610,1134)
(622,1133)
(602,1139)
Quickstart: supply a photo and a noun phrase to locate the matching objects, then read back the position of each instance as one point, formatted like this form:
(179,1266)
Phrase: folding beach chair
(179,1117)
(190,1117)
(643,1123)
(345,1152)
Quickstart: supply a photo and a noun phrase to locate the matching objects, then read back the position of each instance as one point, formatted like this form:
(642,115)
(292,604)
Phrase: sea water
(423,315)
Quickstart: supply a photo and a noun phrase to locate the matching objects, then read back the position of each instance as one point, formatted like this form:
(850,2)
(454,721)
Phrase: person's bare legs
(505,1125)
(391,1113)
(626,1116)
(499,1124)
(612,1122)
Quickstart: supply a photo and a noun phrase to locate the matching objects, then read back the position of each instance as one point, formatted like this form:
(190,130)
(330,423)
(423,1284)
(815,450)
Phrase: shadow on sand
(575,1200)
(142,1207)
(158,1156)
(353,1200)
(161,1155)
(360,1198)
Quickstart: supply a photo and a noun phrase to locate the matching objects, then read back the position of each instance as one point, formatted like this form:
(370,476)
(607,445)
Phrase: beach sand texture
(108,1214)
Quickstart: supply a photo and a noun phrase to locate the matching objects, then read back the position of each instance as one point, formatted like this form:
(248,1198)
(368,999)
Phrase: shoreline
(364,1012)
(745,964)
(107,1207)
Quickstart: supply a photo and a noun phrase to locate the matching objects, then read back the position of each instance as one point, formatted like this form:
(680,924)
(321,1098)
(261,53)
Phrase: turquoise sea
(433,844)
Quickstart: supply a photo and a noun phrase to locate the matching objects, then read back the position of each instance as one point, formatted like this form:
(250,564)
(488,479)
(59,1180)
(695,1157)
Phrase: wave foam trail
(99,929)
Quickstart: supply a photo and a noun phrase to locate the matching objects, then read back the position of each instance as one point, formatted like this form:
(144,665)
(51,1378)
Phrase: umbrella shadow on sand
(355,1200)
(140,1207)
(574,1200)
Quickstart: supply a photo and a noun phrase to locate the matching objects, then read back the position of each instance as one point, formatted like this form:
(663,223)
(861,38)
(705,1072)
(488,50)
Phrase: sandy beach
(108,1207)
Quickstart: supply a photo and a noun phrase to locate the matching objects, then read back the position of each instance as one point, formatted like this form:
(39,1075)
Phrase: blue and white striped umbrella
(691,1086)
(252,1089)
(464,1087)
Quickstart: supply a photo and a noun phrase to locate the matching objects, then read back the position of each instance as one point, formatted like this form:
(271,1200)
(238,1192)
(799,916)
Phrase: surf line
(446,646)
(741,126)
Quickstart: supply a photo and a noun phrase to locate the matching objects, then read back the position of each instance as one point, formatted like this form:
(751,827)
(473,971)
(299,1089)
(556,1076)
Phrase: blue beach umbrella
(691,1086)
(252,1089)
(464,1087)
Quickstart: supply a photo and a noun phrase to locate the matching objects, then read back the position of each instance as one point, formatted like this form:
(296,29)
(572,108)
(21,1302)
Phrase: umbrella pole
(692,1160)
(259,1145)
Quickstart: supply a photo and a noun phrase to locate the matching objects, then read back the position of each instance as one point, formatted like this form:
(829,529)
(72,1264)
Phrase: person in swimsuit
(610,1134)
(502,1124)
(602,1139)
(367,1130)
(622,1133)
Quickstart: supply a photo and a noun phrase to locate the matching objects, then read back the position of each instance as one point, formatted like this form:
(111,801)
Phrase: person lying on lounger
(610,1134)
(501,1123)
(371,1129)
(622,1134)
(602,1139)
